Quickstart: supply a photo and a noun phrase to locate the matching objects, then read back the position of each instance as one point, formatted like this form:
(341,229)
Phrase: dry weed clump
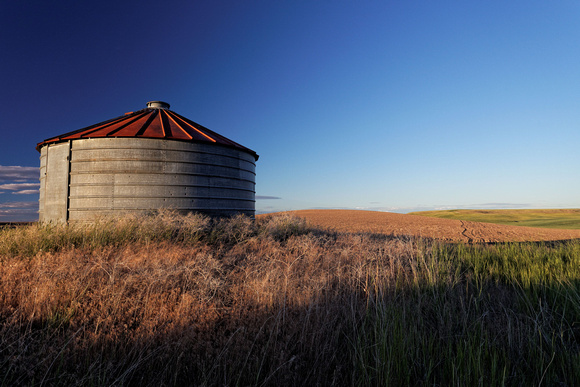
(119,302)
(172,300)
(166,225)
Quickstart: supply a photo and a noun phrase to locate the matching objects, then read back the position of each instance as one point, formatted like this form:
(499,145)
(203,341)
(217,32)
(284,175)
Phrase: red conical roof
(155,121)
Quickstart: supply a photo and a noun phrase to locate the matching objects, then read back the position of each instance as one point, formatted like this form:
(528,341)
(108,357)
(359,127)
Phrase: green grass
(560,219)
(504,314)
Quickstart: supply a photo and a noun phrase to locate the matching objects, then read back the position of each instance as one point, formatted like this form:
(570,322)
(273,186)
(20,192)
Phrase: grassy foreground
(174,300)
(562,219)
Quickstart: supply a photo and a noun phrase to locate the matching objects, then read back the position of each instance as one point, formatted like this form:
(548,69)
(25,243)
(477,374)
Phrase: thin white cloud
(19,186)
(19,205)
(18,211)
(26,192)
(263,197)
(14,173)
(446,207)
(440,207)
(504,205)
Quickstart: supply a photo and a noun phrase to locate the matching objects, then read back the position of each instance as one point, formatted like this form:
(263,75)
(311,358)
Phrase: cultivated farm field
(431,226)
(549,218)
(285,300)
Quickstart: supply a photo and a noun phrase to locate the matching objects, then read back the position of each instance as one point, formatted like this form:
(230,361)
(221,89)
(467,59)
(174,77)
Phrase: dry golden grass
(188,301)
(263,302)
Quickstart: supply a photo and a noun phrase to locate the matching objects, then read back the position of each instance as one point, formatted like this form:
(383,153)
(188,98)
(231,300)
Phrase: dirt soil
(445,229)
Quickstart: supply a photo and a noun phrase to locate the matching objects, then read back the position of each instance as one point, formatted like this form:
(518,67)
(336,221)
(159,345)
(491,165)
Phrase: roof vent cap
(157,105)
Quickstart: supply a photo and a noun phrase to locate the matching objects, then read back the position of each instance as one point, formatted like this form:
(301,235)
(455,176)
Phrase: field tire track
(464,232)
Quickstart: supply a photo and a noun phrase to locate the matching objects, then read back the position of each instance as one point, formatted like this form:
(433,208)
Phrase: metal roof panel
(155,121)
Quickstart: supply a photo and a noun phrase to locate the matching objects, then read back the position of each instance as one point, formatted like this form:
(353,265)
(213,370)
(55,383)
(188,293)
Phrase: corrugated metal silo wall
(110,176)
(54,181)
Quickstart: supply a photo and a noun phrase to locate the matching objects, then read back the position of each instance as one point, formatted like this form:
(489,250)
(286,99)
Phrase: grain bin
(145,160)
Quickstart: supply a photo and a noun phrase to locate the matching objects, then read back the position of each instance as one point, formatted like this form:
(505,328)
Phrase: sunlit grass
(174,300)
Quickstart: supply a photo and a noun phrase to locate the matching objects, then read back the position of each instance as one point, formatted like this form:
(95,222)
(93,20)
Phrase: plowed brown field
(444,229)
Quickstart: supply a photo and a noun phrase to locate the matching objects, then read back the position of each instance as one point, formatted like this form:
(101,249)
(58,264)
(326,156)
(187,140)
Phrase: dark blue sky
(369,104)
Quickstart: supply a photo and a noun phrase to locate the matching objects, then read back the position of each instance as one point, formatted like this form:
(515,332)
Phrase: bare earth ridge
(421,226)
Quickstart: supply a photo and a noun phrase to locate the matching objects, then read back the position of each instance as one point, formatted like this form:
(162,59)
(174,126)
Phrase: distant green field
(563,219)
